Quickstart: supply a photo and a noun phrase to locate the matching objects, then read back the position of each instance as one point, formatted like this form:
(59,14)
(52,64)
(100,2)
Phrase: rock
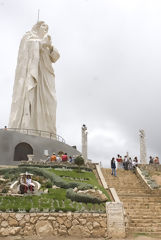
(75,222)
(27,218)
(4,232)
(9,231)
(2,179)
(46,190)
(32,214)
(32,220)
(55,187)
(83,221)
(4,224)
(79,231)
(44,228)
(103,223)
(12,221)
(68,223)
(99,232)
(95,214)
(22,222)
(89,225)
(5,215)
(62,230)
(52,218)
(60,220)
(55,224)
(95,193)
(75,189)
(42,218)
(28,230)
(14,230)
(19,216)
(96,225)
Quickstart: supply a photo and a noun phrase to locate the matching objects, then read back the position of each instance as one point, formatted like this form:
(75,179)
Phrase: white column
(143,159)
(84,143)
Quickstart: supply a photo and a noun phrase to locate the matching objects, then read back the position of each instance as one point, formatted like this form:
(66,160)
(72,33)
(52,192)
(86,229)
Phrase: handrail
(40,133)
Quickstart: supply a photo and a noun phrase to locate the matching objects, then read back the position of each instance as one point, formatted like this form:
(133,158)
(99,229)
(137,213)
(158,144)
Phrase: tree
(79,161)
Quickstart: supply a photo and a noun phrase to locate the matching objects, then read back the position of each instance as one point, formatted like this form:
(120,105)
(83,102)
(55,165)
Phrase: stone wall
(155,167)
(73,224)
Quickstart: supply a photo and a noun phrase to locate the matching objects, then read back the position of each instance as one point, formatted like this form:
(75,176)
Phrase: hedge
(80,197)
(53,165)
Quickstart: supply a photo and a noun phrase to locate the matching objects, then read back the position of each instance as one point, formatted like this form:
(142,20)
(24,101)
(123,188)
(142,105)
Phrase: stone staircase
(142,209)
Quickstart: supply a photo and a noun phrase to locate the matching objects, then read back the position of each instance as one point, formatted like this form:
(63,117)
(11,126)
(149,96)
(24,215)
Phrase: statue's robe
(34,96)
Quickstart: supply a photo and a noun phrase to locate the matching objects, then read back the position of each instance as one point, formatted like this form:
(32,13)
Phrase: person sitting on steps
(53,157)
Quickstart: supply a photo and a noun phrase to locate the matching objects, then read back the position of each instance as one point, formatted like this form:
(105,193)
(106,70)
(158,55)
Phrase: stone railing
(101,177)
(143,179)
(39,133)
(66,224)
(146,180)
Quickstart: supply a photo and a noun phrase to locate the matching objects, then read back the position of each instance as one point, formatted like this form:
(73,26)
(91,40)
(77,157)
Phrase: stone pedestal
(30,157)
(115,220)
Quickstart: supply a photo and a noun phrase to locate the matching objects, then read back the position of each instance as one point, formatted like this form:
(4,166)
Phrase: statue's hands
(46,43)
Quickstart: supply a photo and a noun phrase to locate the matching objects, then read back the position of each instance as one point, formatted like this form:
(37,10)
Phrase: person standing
(126,162)
(151,160)
(113,166)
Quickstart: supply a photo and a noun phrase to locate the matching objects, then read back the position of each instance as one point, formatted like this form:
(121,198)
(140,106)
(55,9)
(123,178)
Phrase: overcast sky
(109,73)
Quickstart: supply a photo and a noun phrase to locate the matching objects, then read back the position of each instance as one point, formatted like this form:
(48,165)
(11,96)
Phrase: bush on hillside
(80,197)
(79,161)
(48,184)
(54,166)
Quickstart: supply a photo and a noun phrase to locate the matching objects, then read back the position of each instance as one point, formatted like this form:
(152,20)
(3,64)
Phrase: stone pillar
(143,159)
(84,143)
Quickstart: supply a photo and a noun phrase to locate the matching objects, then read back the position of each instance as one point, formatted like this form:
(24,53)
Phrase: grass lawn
(76,176)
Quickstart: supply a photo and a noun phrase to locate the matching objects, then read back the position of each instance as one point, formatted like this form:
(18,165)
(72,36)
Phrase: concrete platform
(15,145)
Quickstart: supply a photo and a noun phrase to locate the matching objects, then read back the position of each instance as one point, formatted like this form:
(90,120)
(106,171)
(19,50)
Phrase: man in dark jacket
(113,166)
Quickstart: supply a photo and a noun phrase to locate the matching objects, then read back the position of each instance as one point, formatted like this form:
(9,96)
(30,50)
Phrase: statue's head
(41,28)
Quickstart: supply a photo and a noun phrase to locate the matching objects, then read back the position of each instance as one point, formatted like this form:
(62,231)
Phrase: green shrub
(55,166)
(27,208)
(15,209)
(4,190)
(84,186)
(48,184)
(79,161)
(86,198)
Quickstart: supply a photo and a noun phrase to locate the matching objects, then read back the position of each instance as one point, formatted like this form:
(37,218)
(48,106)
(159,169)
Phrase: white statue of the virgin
(34,96)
